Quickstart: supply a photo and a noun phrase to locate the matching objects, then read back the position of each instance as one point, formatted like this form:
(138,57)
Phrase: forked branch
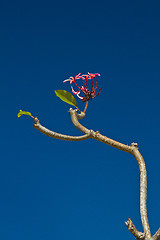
(132,149)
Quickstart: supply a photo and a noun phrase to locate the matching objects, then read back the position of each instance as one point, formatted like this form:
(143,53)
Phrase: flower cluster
(88,94)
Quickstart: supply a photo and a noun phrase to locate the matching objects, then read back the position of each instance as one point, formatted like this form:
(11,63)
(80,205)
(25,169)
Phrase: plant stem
(86,107)
(78,109)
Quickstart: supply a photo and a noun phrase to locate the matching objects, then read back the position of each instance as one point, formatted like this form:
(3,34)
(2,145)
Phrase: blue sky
(52,189)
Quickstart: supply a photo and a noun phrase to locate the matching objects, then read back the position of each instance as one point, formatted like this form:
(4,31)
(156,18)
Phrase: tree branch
(97,135)
(52,134)
(143,190)
(133,149)
(138,235)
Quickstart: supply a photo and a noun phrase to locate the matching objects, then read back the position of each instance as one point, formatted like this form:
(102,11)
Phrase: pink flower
(88,94)
(72,79)
(76,93)
(92,75)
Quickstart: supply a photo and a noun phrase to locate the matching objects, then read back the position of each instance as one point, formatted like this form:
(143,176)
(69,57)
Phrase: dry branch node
(36,120)
(138,235)
(134,144)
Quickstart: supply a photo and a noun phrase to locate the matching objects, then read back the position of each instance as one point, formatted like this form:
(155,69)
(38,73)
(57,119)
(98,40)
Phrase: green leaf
(23,113)
(66,97)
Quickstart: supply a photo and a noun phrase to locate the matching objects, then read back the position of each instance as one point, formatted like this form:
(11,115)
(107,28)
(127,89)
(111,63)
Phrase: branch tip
(134,144)
(36,120)
(138,235)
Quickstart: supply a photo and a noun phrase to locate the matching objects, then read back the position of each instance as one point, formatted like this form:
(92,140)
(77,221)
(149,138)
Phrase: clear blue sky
(52,189)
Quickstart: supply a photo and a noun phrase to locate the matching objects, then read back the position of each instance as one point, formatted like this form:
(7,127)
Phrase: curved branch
(97,135)
(143,191)
(133,149)
(52,134)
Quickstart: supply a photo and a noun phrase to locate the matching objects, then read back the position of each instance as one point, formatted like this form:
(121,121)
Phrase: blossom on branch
(88,94)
